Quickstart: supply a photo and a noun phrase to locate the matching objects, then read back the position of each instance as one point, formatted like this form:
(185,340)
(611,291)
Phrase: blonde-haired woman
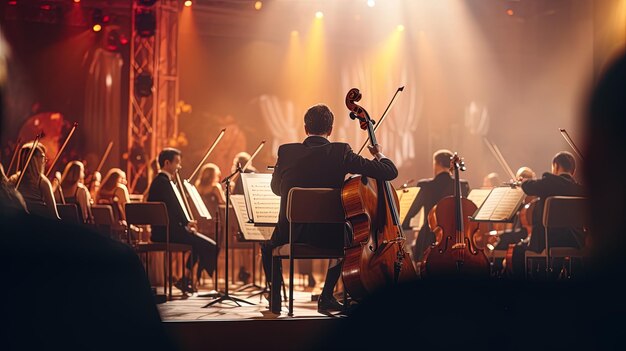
(75,191)
(35,187)
(210,188)
(113,191)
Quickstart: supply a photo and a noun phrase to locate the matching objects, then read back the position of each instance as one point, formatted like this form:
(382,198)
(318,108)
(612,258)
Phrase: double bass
(455,255)
(376,256)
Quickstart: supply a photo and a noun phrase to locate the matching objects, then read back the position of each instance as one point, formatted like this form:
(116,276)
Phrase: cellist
(317,162)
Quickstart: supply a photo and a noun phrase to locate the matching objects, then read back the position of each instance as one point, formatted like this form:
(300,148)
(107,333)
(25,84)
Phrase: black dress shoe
(327,304)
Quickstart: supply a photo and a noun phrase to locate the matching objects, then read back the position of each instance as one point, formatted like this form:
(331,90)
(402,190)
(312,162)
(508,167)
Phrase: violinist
(181,229)
(113,191)
(210,188)
(559,182)
(239,161)
(431,191)
(35,186)
(75,191)
(317,162)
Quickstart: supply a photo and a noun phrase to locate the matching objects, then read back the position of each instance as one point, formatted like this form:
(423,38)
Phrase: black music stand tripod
(225,296)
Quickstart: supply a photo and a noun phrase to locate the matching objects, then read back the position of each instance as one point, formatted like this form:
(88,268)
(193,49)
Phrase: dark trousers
(204,250)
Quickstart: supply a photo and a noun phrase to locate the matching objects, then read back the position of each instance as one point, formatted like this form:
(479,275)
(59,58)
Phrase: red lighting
(13,2)
(188,3)
(106,19)
(76,1)
(45,7)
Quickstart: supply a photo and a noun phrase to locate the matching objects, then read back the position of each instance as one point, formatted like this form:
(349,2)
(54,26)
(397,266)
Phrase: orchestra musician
(210,188)
(181,229)
(431,191)
(317,162)
(75,191)
(113,192)
(239,161)
(559,182)
(35,187)
(11,199)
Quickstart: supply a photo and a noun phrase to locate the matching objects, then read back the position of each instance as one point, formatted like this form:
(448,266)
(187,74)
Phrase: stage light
(319,15)
(188,3)
(115,40)
(400,28)
(76,1)
(258,5)
(97,18)
(371,3)
(96,27)
(12,2)
(294,33)
(145,23)
(143,84)
(510,12)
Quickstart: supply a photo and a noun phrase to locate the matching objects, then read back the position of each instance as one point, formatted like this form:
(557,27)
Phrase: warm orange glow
(510,12)
(96,28)
(258,5)
(188,3)
(77,1)
(319,15)
(400,28)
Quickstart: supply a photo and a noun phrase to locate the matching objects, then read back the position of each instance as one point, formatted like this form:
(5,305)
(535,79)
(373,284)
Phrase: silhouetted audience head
(604,170)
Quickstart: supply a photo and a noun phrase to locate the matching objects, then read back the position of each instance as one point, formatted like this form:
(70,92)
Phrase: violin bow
(217,140)
(104,156)
(30,156)
(571,143)
(18,143)
(380,121)
(243,169)
(56,158)
(495,151)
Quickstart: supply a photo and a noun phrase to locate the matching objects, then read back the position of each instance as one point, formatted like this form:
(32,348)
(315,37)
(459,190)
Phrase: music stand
(226,296)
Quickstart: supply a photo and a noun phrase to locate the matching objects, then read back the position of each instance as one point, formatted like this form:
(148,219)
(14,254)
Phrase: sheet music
(406,197)
(197,200)
(478,196)
(262,204)
(248,229)
(501,205)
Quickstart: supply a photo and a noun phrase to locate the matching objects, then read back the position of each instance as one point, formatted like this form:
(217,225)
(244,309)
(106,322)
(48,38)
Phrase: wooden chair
(103,219)
(327,209)
(69,213)
(155,214)
(561,212)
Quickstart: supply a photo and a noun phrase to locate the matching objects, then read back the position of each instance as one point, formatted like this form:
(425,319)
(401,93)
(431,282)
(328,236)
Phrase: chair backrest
(102,215)
(315,205)
(69,213)
(153,213)
(565,212)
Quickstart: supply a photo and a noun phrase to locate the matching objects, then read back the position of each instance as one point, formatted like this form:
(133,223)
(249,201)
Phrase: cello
(455,255)
(375,256)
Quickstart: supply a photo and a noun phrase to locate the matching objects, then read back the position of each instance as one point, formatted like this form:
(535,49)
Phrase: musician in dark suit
(317,162)
(431,192)
(560,182)
(181,229)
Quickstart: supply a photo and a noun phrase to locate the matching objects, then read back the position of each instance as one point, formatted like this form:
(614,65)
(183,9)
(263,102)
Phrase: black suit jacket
(318,163)
(161,191)
(552,185)
(431,191)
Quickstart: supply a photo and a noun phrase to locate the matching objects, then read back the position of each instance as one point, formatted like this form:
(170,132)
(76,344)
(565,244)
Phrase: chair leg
(169,272)
(290,313)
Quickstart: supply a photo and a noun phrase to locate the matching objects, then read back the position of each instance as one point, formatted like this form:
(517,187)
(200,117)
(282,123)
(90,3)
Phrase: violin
(455,255)
(375,256)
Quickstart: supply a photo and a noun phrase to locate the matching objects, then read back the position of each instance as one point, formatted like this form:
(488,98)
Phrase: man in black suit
(560,182)
(181,229)
(431,191)
(318,163)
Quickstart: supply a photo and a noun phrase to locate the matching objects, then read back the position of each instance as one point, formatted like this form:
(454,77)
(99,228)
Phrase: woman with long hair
(113,191)
(210,188)
(35,187)
(75,191)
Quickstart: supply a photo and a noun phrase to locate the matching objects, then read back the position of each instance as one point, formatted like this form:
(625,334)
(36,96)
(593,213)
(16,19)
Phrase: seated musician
(240,160)
(75,191)
(431,191)
(11,199)
(491,180)
(181,229)
(559,182)
(35,186)
(113,191)
(317,162)
(210,188)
